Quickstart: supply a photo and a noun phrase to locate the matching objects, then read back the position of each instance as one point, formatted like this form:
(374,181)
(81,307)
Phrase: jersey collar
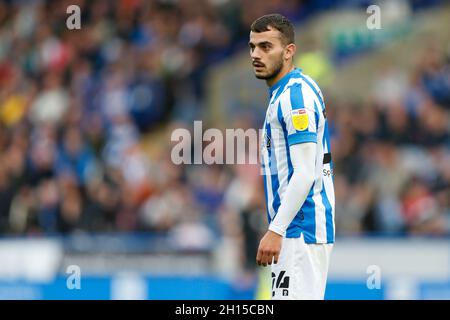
(283,81)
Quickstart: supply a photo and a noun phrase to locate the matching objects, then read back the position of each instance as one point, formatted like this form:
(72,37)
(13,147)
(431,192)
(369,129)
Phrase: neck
(281,74)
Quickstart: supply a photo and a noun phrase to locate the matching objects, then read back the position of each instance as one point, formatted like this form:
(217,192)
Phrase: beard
(273,72)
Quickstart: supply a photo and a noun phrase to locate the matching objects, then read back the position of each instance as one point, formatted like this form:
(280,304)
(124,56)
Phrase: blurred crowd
(392,152)
(76,106)
(85,117)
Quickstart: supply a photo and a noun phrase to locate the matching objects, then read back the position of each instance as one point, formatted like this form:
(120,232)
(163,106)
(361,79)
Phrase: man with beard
(296,166)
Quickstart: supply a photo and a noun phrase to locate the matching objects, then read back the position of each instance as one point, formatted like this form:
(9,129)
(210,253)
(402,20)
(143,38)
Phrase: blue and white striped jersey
(296,114)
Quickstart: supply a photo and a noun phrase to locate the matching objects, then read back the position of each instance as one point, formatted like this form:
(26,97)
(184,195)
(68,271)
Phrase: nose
(255,54)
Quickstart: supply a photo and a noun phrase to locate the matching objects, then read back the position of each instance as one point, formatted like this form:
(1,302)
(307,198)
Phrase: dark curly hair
(278,22)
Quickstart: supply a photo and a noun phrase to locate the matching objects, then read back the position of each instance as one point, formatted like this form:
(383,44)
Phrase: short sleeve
(299,115)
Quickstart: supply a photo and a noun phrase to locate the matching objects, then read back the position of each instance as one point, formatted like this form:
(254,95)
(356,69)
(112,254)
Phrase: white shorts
(301,271)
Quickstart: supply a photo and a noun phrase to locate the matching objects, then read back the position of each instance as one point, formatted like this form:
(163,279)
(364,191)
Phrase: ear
(290,51)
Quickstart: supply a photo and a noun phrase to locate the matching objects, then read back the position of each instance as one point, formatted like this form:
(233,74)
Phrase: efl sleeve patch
(299,119)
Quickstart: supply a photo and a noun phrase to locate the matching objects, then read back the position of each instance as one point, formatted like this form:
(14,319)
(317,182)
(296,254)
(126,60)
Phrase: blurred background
(88,188)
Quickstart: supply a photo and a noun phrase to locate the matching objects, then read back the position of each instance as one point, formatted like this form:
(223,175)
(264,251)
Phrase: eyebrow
(260,43)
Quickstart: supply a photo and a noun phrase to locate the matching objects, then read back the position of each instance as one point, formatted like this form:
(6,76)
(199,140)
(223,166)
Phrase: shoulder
(310,85)
(301,94)
(293,87)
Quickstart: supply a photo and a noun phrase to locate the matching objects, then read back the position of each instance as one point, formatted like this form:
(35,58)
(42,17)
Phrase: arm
(303,157)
